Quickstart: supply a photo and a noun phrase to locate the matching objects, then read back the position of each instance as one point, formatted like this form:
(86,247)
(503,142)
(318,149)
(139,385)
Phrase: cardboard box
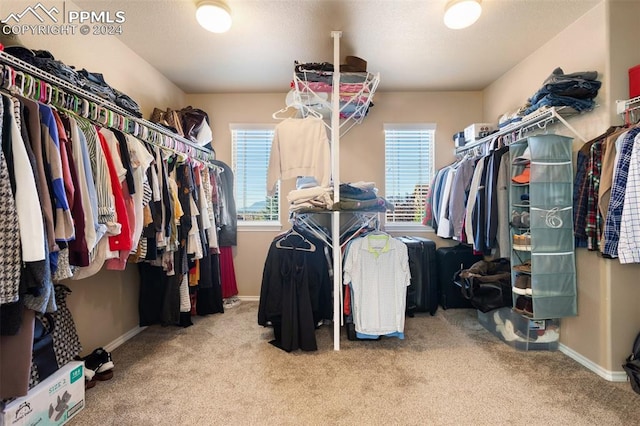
(53,401)
(477,131)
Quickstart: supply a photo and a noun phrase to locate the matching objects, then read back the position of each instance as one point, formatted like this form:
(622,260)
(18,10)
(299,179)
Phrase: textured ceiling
(405,40)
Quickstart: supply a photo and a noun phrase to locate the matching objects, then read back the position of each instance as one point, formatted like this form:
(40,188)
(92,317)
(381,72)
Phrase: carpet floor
(449,370)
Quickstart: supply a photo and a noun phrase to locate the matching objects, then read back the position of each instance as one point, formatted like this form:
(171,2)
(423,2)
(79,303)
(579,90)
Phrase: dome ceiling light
(214,16)
(460,14)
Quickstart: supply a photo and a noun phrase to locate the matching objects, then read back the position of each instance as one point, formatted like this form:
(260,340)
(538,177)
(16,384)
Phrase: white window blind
(409,164)
(251,146)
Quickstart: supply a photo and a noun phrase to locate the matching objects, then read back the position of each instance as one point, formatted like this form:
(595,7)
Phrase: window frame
(409,127)
(254,225)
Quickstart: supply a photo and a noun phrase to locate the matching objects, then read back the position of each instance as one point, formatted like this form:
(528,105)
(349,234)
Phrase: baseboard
(612,376)
(120,340)
(249,298)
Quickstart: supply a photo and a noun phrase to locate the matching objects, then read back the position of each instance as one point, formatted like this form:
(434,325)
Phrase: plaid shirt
(614,214)
(593,220)
(629,245)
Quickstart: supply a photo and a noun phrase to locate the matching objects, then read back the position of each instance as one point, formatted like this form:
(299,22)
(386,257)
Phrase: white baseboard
(131,333)
(612,376)
(120,340)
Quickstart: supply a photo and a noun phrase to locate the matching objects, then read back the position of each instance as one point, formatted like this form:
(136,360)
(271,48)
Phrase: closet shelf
(188,147)
(629,109)
(355,95)
(534,121)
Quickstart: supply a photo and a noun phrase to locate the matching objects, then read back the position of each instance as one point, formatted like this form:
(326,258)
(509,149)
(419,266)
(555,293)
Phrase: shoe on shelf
(515,219)
(522,285)
(523,267)
(99,361)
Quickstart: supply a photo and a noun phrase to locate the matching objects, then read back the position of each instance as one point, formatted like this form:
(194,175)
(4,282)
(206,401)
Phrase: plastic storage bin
(520,332)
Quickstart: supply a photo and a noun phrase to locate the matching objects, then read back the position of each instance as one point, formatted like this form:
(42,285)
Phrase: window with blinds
(409,168)
(251,146)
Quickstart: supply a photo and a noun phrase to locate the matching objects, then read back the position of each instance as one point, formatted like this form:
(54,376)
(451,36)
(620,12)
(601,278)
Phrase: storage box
(53,401)
(521,332)
(634,81)
(458,139)
(477,131)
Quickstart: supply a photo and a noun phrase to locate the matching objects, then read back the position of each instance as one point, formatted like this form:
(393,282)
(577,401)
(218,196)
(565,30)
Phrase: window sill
(407,227)
(259,226)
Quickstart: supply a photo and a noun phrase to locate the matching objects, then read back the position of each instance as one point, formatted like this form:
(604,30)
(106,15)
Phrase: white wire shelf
(534,121)
(192,149)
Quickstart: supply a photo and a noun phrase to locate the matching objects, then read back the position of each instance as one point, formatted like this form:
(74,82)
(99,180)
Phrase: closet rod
(207,154)
(538,121)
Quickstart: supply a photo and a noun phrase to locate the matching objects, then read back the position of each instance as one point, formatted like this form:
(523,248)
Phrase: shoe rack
(541,208)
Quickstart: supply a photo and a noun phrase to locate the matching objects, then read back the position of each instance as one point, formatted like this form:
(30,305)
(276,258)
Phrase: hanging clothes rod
(176,143)
(535,122)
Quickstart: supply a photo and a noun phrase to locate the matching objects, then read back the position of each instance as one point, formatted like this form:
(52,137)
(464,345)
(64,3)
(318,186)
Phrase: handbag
(486,284)
(631,365)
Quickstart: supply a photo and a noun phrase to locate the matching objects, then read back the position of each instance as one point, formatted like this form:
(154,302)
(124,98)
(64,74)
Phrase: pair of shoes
(505,328)
(520,219)
(524,306)
(100,363)
(231,302)
(522,285)
(522,242)
(548,336)
(523,267)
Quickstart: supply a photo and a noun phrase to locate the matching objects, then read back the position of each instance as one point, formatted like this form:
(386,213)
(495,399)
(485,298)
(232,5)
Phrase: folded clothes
(349,191)
(378,204)
(308,193)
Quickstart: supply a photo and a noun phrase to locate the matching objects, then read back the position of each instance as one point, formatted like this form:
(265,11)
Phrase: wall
(105,306)
(361,149)
(608,317)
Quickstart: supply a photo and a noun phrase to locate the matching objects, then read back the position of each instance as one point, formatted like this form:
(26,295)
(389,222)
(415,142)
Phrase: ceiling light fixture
(460,14)
(214,16)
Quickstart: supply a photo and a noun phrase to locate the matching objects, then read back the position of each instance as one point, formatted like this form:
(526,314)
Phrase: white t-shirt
(377,267)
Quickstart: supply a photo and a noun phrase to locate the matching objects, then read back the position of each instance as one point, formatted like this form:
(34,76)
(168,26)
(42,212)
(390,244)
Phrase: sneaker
(100,362)
(231,302)
(525,219)
(522,285)
(522,242)
(515,219)
(548,336)
(505,327)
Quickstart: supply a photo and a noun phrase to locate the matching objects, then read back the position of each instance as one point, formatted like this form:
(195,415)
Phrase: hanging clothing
(295,294)
(300,147)
(376,267)
(616,203)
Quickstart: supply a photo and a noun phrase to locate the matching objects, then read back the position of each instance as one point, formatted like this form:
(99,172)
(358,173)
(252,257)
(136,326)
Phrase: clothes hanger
(281,243)
(283,110)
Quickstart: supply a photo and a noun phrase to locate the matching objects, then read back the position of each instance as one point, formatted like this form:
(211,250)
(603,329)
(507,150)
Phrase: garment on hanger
(300,147)
(376,267)
(295,294)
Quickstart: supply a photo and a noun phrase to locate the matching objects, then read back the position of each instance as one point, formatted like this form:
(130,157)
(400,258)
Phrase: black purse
(488,287)
(632,365)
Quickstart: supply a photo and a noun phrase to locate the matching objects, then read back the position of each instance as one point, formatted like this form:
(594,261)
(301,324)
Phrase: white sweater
(300,147)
